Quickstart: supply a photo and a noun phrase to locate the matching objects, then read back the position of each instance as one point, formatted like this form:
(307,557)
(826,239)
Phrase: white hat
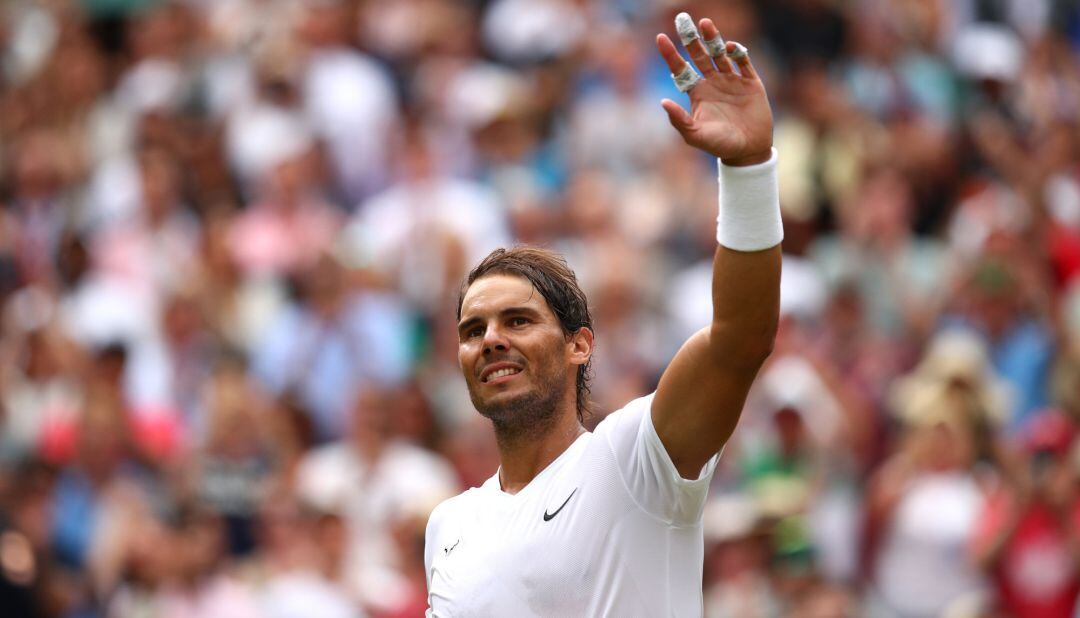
(730,516)
(262,138)
(923,396)
(988,51)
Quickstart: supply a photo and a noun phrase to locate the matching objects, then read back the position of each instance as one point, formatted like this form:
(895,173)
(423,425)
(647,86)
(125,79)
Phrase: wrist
(749,218)
(751,159)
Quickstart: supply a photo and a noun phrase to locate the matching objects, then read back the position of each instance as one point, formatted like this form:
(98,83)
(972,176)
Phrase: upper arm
(697,405)
(701,394)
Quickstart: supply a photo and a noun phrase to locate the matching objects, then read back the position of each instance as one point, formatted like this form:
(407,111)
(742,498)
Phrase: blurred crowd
(232,234)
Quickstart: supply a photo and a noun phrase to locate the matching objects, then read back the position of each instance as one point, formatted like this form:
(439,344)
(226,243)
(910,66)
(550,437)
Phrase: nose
(495,340)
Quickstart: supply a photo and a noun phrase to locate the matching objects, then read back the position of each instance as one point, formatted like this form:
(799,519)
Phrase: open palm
(730,116)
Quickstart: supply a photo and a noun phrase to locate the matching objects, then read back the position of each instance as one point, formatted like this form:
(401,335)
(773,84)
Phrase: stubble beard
(528,415)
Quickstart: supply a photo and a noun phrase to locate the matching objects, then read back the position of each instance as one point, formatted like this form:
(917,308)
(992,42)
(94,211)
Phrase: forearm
(746,265)
(746,304)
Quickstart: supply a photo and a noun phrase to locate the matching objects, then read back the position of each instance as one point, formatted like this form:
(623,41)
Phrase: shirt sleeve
(431,540)
(647,470)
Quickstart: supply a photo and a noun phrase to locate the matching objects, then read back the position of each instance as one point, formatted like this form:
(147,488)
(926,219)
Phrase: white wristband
(749,218)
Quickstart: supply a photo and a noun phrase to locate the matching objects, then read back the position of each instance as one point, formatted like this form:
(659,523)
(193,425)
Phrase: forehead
(494,293)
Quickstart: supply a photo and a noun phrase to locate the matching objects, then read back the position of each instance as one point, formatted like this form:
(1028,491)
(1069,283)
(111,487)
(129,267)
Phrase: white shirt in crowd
(923,566)
(609,528)
(406,479)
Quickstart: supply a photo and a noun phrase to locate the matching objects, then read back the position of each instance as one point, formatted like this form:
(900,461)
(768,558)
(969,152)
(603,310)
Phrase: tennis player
(609,523)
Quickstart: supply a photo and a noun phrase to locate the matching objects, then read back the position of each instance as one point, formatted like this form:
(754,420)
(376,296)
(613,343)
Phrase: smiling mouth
(500,373)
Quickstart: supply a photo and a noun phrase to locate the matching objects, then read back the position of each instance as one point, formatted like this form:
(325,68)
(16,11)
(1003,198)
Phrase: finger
(682,72)
(679,118)
(738,53)
(714,46)
(691,40)
(671,56)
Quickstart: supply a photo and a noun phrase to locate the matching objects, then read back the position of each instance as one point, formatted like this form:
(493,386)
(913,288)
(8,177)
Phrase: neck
(523,455)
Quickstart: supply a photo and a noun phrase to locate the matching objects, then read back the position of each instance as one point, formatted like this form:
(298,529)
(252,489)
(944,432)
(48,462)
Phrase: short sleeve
(647,470)
(431,540)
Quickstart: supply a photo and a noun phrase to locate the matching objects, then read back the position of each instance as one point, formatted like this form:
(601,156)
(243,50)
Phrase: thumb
(679,118)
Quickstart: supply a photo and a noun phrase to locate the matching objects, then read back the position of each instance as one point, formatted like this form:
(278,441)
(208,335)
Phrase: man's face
(517,362)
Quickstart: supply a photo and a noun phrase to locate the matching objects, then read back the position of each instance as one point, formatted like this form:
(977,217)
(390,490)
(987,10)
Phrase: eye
(518,321)
(475,331)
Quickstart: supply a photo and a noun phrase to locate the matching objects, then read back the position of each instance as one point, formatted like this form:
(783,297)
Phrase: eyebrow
(466,324)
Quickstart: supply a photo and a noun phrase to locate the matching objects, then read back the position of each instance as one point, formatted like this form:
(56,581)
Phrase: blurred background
(232,234)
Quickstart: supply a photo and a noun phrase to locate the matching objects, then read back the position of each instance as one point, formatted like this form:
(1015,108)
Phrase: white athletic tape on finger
(686,79)
(749,218)
(715,46)
(684,25)
(738,53)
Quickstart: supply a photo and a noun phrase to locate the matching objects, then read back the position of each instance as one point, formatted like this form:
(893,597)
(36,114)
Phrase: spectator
(922,505)
(330,337)
(371,479)
(1024,537)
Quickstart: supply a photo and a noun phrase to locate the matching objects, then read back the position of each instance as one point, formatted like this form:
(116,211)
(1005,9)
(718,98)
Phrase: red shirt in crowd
(1034,575)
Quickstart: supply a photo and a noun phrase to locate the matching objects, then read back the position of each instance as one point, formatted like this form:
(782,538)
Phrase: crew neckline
(494,484)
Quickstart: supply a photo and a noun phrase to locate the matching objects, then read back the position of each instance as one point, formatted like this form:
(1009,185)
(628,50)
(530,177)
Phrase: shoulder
(645,467)
(451,510)
(628,417)
(445,524)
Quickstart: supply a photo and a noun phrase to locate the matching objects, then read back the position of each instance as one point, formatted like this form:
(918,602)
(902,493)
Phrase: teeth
(500,373)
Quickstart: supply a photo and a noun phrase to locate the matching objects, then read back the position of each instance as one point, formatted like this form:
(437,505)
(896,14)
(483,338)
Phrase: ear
(580,345)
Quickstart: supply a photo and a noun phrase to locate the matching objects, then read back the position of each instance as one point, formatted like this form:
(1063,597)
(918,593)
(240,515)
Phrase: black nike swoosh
(550,516)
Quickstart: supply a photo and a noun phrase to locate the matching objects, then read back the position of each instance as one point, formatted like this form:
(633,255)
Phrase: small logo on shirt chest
(550,516)
(450,548)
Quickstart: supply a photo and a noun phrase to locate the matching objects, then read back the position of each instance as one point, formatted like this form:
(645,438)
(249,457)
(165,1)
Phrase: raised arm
(702,392)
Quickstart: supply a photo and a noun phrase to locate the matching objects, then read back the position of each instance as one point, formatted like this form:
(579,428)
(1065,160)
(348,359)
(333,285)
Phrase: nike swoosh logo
(550,516)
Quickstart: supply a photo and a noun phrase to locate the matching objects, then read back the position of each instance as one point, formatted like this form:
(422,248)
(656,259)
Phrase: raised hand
(730,116)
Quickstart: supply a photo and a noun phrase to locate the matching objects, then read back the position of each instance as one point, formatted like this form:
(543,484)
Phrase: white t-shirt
(923,565)
(607,529)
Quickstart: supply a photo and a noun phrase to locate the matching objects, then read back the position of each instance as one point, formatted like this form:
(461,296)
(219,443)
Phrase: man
(609,523)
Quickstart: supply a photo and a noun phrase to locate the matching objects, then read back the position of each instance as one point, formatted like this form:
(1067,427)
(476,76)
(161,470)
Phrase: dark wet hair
(552,277)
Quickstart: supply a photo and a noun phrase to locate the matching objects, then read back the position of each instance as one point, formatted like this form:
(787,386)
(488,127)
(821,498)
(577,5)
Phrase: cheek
(551,355)
(466,357)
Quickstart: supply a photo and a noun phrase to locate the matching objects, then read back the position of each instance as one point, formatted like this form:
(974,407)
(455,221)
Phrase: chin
(521,413)
(502,403)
